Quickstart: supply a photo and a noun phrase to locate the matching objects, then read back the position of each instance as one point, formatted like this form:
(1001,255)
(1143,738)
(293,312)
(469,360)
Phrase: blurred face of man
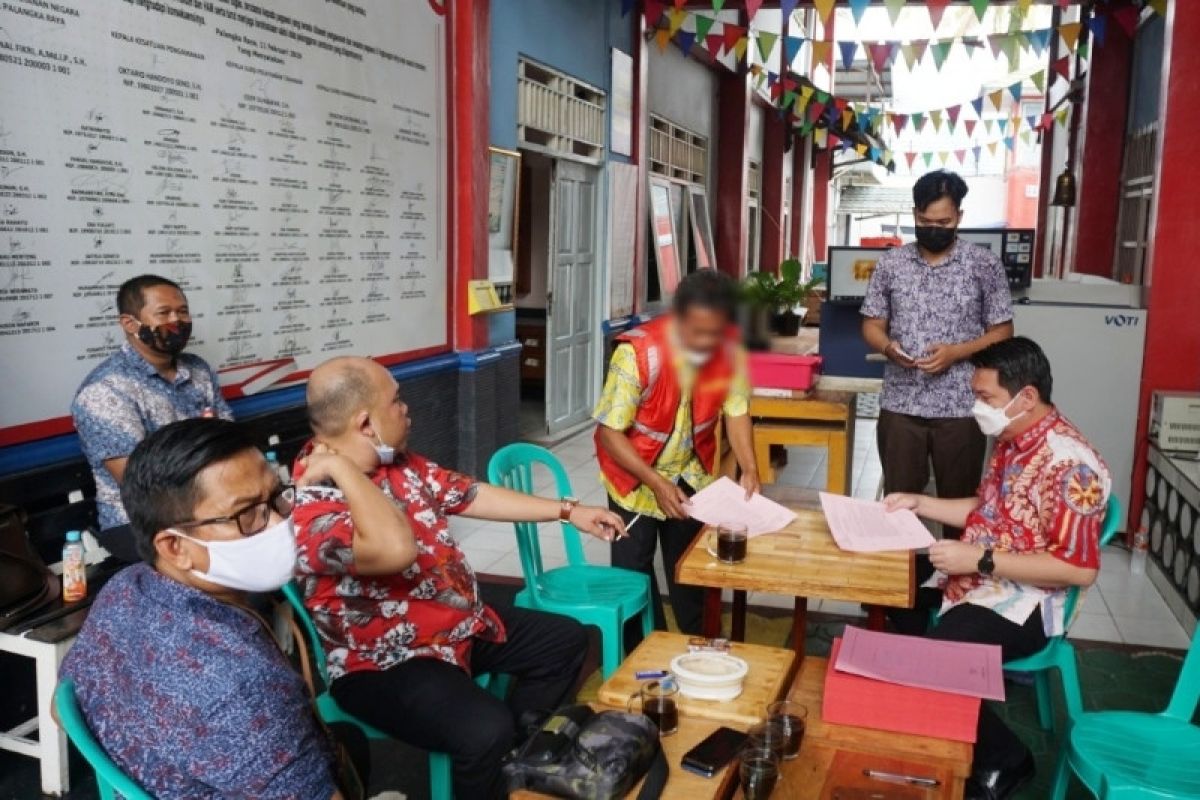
(164,323)
(937,224)
(701,331)
(387,420)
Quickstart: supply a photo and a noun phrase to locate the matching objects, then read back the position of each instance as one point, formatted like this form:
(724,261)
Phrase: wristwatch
(568,505)
(986,565)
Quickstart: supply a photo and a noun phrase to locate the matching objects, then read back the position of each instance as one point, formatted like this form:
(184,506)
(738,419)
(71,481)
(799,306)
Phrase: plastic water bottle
(1137,558)
(74,574)
(279,469)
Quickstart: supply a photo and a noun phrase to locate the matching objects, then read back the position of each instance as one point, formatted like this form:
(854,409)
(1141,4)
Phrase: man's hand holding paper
(865,526)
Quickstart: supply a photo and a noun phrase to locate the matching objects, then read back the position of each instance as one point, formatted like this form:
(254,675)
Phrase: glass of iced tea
(758,769)
(657,699)
(793,718)
(728,542)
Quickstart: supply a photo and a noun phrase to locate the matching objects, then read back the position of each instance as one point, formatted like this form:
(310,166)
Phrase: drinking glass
(793,717)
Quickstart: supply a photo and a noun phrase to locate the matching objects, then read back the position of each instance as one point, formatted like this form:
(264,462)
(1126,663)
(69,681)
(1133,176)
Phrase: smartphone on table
(711,755)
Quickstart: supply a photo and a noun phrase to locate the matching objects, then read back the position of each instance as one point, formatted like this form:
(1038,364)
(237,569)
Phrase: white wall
(684,91)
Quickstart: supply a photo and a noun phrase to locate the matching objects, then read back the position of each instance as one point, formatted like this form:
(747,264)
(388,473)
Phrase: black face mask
(169,339)
(935,239)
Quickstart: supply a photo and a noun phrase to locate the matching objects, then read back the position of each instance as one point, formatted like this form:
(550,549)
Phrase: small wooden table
(803,561)
(948,761)
(769,677)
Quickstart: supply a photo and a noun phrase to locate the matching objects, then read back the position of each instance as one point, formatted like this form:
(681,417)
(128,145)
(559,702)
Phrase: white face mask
(696,358)
(263,562)
(385,452)
(991,420)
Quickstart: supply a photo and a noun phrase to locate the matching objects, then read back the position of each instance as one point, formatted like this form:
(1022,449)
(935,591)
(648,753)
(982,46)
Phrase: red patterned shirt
(1044,492)
(430,610)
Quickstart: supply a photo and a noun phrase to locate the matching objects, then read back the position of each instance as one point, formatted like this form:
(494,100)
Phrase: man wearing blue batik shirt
(930,306)
(146,384)
(180,681)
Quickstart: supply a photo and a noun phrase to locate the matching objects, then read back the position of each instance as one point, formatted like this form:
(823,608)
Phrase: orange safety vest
(655,418)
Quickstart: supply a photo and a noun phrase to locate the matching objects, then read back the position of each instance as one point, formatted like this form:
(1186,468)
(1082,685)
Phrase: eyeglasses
(254,518)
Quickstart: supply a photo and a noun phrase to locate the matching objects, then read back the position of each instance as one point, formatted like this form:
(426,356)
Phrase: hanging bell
(1064,189)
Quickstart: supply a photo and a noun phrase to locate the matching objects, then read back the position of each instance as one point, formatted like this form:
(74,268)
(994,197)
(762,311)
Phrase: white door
(570,306)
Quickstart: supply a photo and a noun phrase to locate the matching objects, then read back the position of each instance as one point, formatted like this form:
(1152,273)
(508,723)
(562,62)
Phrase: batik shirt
(192,698)
(430,610)
(618,407)
(124,400)
(1044,492)
(954,302)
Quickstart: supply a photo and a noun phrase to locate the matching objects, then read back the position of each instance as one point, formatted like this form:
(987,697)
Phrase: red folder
(867,703)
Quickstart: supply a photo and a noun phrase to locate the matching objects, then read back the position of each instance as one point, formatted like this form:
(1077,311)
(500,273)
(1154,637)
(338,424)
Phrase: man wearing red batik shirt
(392,595)
(1031,532)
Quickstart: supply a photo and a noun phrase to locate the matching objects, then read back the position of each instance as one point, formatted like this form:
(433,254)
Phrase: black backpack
(590,755)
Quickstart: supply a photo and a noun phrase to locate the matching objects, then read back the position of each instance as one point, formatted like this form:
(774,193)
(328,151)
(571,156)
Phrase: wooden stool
(832,436)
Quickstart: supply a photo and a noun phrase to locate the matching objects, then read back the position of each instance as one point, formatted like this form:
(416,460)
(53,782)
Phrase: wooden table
(769,677)
(681,784)
(946,760)
(802,561)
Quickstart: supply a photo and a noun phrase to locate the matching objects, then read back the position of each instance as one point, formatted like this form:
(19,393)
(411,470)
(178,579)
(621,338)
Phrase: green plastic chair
(1059,653)
(441,777)
(1128,754)
(109,778)
(594,595)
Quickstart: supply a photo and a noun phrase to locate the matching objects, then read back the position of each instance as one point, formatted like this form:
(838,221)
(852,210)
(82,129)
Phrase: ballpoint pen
(896,777)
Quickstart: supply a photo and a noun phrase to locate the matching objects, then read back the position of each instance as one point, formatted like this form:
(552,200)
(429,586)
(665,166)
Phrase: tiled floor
(1121,607)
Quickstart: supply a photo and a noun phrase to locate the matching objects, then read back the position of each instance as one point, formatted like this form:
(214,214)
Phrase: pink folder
(867,703)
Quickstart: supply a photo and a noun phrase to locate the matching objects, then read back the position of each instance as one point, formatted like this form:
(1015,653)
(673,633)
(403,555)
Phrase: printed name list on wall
(285,163)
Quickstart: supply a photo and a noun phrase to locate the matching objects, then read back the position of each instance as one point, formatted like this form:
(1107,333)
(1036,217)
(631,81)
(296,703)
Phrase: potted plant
(775,303)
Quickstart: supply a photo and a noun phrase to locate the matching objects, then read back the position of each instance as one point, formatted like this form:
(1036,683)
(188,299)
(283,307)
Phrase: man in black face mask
(929,307)
(143,386)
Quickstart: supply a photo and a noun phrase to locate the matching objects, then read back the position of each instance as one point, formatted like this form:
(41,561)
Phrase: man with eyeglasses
(144,385)
(930,306)
(178,678)
(393,596)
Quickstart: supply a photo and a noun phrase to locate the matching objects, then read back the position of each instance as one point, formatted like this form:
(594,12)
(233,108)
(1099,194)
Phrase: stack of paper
(723,501)
(909,684)
(863,526)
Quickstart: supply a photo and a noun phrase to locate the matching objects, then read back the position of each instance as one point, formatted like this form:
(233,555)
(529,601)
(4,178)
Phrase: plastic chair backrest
(1112,521)
(512,468)
(1186,696)
(292,592)
(109,776)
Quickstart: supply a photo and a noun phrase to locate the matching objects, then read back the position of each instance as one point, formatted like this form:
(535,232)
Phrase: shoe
(1000,784)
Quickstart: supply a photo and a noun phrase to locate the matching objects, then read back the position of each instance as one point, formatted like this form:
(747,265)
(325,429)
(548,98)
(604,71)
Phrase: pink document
(724,501)
(975,670)
(864,526)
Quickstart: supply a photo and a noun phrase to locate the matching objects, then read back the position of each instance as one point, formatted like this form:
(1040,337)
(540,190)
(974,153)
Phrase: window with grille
(1137,194)
(753,180)
(676,152)
(558,114)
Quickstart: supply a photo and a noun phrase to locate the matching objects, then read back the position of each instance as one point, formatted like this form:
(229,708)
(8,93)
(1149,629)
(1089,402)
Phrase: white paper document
(724,501)
(865,526)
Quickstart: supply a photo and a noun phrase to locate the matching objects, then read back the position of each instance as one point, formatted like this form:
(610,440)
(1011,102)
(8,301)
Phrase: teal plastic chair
(1059,653)
(109,778)
(1128,754)
(595,595)
(441,778)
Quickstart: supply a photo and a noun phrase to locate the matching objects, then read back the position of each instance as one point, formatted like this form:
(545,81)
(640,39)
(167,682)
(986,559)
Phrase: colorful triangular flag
(858,8)
(910,158)
(919,46)
(675,19)
(940,51)
(1097,24)
(717,5)
(928,158)
(969,125)
(752,7)
(988,124)
(820,52)
(1039,80)
(980,7)
(976,151)
(935,116)
(824,9)
(910,57)
(685,40)
(1070,34)
(766,43)
(731,36)
(1062,66)
(991,146)
(918,121)
(1015,89)
(893,9)
(936,9)
(1039,39)
(849,50)
(899,121)
(997,98)
(662,38)
(786,7)
(703,26)
(961,155)
(791,48)
(1009,142)
(880,53)
(977,104)
(952,114)
(653,9)
(713,43)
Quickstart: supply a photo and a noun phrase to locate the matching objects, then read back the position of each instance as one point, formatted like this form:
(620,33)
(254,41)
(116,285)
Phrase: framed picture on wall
(663,236)
(702,238)
(504,184)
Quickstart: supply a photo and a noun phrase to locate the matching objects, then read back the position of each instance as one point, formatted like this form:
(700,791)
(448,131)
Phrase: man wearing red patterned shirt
(1031,532)
(392,594)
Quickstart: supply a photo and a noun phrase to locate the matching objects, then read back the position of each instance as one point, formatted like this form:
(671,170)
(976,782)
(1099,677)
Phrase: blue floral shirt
(123,400)
(954,302)
(192,697)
